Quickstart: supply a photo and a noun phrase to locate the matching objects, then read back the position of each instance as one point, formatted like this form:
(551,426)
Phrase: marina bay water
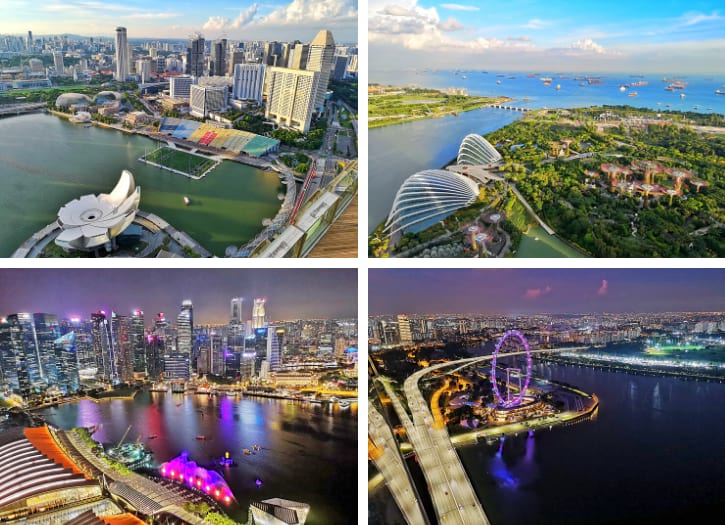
(652,455)
(307,453)
(46,162)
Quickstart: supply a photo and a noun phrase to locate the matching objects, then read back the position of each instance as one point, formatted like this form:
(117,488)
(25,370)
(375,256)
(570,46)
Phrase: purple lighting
(518,399)
(181,470)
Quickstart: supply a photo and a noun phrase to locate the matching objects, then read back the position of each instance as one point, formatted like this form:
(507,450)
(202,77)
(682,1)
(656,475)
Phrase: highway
(450,488)
(390,464)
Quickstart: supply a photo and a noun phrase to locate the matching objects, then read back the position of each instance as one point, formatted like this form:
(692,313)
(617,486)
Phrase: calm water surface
(46,162)
(308,453)
(655,454)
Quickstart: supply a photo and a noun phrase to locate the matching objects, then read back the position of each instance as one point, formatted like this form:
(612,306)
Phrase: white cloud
(588,45)
(692,18)
(221,23)
(313,11)
(519,39)
(603,288)
(535,23)
(459,7)
(450,25)
(396,10)
(151,16)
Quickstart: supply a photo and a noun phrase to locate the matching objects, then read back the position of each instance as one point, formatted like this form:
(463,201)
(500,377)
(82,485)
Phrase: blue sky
(271,19)
(615,35)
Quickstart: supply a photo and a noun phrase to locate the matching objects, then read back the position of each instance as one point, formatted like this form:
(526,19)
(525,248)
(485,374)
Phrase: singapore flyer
(516,401)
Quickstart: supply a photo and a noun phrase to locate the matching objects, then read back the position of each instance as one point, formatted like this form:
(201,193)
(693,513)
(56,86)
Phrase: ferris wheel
(512,341)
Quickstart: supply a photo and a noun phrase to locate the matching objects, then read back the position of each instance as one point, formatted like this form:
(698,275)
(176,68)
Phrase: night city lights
(542,395)
(196,396)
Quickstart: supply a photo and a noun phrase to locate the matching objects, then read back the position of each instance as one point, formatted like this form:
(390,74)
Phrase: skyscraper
(138,342)
(122,57)
(205,99)
(236,310)
(58,62)
(184,328)
(218,58)
(248,82)
(66,358)
(258,314)
(103,347)
(195,60)
(124,347)
(273,358)
(406,338)
(46,332)
(322,51)
(29,43)
(291,97)
(298,56)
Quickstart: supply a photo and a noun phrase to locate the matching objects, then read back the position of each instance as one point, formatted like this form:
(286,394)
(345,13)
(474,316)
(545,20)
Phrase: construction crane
(124,436)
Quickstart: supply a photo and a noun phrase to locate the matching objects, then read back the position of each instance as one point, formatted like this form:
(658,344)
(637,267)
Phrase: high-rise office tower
(103,347)
(68,379)
(406,338)
(124,345)
(180,87)
(273,345)
(298,56)
(218,58)
(29,43)
(46,332)
(9,365)
(195,60)
(138,341)
(58,62)
(143,69)
(236,310)
(184,328)
(322,51)
(291,97)
(248,82)
(205,99)
(258,314)
(272,54)
(122,56)
(235,57)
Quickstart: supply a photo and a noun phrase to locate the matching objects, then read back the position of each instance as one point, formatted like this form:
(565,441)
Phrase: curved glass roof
(68,99)
(475,151)
(428,195)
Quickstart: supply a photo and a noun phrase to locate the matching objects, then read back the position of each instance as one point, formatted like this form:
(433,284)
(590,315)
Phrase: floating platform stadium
(208,135)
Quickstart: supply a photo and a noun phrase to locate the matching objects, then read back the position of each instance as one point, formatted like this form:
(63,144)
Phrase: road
(390,464)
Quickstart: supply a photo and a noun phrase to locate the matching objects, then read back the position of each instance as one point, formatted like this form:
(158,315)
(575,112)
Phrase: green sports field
(180,160)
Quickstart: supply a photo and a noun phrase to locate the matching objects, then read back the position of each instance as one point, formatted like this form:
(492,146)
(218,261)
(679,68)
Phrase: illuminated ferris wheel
(511,341)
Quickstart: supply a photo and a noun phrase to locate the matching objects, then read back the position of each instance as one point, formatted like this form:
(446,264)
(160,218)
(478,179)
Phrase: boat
(256,447)
(632,94)
(682,95)
(153,436)
(498,82)
(186,201)
(719,92)
(623,87)
(558,87)
(247,452)
(464,77)
(201,438)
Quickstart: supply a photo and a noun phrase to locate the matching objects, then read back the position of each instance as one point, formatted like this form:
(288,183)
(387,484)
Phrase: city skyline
(682,37)
(275,20)
(291,294)
(536,291)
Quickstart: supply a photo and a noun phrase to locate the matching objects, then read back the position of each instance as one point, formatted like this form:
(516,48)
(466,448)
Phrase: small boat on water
(632,94)
(201,438)
(256,447)
(186,201)
(247,452)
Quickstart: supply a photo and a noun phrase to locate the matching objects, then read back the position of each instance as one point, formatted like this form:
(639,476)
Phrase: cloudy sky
(615,35)
(291,294)
(521,291)
(272,19)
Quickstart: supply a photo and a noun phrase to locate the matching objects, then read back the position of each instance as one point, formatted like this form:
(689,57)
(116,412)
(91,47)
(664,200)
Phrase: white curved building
(476,151)
(429,195)
(95,220)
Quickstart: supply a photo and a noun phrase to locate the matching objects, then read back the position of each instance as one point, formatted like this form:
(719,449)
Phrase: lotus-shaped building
(475,151)
(428,196)
(95,220)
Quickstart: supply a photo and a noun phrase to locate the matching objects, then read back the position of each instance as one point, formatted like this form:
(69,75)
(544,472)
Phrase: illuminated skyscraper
(258,314)
(185,328)
(406,338)
(273,357)
(122,56)
(66,359)
(46,332)
(124,347)
(103,347)
(236,310)
(138,342)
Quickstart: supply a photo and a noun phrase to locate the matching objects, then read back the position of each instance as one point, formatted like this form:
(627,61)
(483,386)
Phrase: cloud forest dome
(475,150)
(428,195)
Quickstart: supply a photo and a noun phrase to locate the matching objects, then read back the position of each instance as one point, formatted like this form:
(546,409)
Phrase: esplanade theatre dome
(108,96)
(67,100)
(476,151)
(427,196)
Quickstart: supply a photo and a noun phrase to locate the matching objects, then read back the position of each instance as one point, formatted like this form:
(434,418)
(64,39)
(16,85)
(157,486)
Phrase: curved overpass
(451,491)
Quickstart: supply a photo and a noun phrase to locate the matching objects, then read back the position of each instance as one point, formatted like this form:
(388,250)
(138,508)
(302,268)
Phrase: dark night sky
(521,291)
(290,293)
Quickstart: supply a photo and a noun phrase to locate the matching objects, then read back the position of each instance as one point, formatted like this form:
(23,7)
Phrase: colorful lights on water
(182,470)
